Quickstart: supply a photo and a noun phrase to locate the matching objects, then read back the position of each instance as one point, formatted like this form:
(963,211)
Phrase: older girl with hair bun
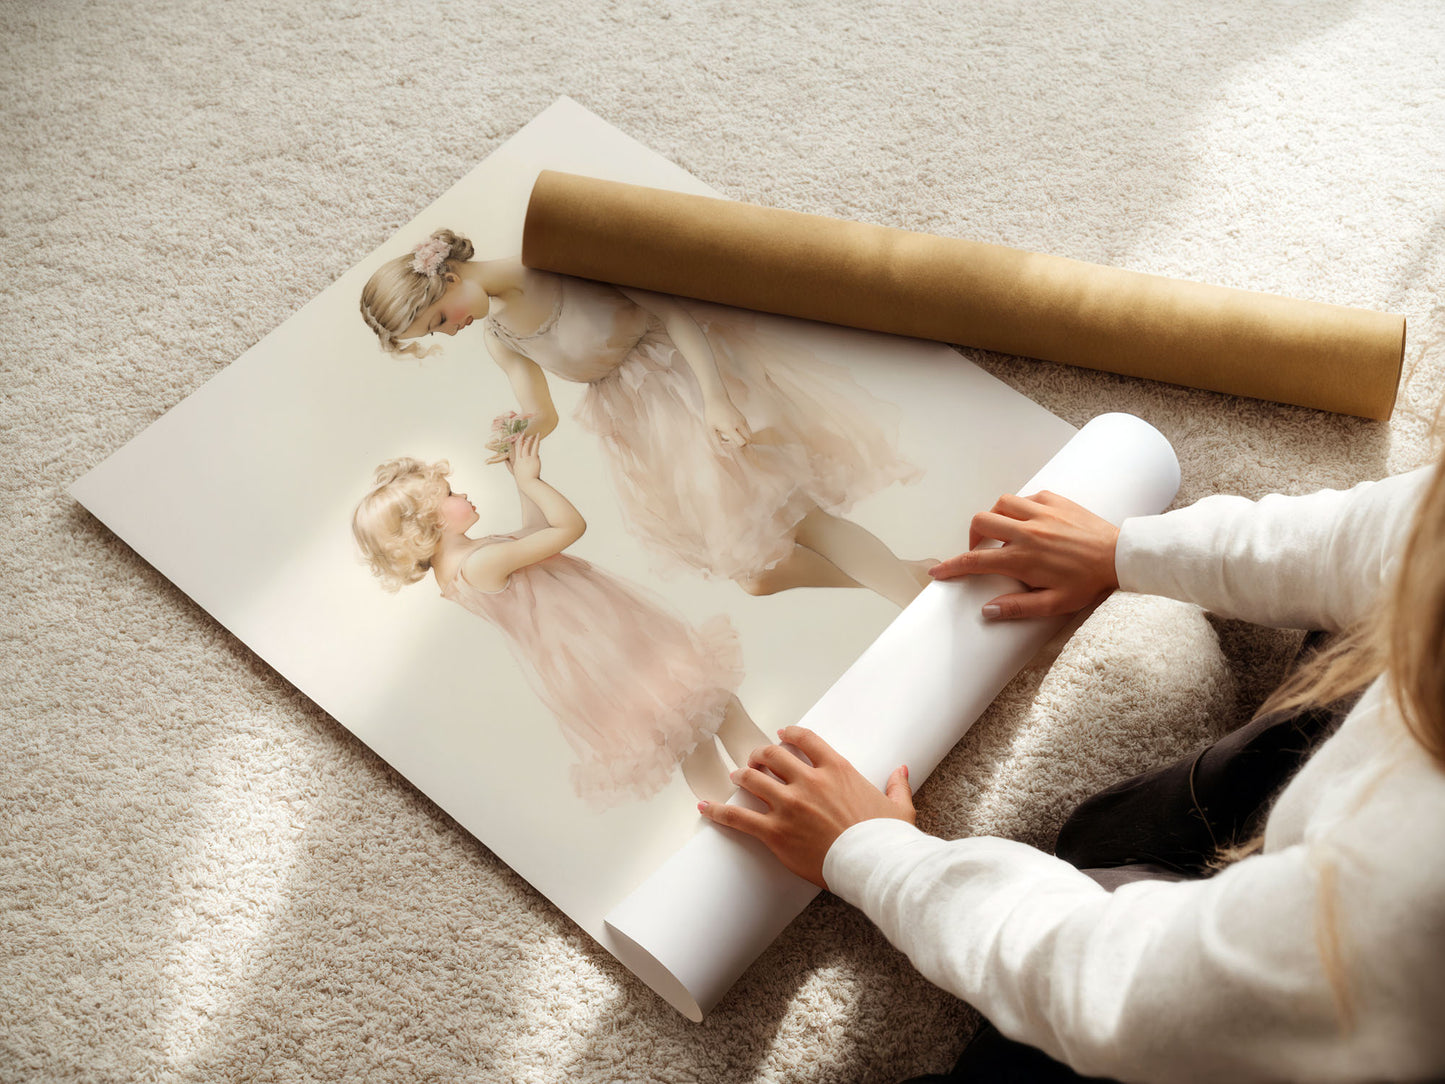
(634,688)
(734,452)
(407,285)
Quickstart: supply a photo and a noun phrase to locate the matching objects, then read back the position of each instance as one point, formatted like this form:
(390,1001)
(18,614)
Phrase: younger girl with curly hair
(634,688)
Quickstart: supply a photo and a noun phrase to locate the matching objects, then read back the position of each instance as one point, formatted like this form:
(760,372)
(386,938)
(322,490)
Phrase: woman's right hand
(1058,549)
(525,462)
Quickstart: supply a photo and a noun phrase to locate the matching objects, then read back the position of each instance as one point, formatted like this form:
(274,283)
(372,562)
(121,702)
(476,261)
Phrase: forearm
(535,398)
(1315,561)
(529,385)
(554,509)
(977,917)
(1167,981)
(545,420)
(532,516)
(692,344)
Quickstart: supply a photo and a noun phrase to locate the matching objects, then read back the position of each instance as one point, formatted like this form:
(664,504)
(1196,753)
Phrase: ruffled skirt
(633,686)
(819,441)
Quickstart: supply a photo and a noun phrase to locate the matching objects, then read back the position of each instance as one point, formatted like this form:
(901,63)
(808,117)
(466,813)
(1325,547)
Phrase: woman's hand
(809,805)
(727,421)
(1060,550)
(525,462)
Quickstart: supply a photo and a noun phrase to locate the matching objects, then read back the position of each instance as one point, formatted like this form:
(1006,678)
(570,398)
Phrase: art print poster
(511,707)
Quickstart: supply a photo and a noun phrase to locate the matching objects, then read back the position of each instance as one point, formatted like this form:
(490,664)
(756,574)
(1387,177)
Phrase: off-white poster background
(242,496)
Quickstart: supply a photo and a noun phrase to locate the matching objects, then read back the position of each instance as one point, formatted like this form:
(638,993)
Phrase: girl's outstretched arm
(725,419)
(532,517)
(489,566)
(529,384)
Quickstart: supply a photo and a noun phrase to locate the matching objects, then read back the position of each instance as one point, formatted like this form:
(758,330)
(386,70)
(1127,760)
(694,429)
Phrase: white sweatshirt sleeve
(1311,562)
(1218,979)
(1209,980)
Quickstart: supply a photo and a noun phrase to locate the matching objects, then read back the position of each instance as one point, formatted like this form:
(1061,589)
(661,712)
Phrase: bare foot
(738,734)
(706,773)
(919,570)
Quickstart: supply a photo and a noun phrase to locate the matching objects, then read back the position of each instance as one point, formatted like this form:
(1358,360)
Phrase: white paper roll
(693,927)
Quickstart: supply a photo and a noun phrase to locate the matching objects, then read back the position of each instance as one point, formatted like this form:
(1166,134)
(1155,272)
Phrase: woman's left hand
(809,804)
(727,421)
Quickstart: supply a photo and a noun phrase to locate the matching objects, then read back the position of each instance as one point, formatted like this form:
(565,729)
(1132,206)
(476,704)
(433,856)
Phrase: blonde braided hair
(397,291)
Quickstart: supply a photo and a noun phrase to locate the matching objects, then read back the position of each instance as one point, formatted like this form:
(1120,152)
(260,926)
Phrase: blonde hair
(396,292)
(1403,640)
(398,523)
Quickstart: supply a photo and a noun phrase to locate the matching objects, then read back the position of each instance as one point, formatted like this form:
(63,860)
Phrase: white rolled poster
(908,699)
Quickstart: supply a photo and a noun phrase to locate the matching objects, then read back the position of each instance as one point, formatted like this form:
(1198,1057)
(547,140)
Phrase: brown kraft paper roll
(986,296)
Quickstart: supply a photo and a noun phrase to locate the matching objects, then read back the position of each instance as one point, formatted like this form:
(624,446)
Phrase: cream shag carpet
(202,877)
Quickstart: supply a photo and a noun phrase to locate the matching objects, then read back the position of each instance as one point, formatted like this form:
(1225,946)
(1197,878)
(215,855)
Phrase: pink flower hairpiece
(430,256)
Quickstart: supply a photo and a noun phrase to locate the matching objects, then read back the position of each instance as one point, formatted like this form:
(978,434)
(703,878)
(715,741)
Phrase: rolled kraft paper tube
(986,296)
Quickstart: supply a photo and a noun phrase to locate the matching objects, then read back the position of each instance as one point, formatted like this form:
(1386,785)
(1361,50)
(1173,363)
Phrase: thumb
(900,792)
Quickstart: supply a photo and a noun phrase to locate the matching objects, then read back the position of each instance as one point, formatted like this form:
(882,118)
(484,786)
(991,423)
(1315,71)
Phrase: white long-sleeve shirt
(1218,979)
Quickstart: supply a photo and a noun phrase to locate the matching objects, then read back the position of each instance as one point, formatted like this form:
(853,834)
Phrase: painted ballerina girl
(733,452)
(634,688)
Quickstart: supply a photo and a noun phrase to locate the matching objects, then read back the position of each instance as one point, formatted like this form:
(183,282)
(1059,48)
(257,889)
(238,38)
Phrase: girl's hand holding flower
(506,428)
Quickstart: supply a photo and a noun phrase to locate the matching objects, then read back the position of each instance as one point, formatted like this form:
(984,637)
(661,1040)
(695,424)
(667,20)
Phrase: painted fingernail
(781,732)
(702,807)
(991,610)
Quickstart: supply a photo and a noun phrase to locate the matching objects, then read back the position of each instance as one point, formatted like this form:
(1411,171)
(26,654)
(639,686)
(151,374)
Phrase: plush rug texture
(205,878)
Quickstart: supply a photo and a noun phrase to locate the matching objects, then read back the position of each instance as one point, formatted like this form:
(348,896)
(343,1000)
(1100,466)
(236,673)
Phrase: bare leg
(809,568)
(801,568)
(739,734)
(919,569)
(860,554)
(706,773)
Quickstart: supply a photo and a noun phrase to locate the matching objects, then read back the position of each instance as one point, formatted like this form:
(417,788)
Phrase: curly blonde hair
(398,523)
(1403,640)
(396,292)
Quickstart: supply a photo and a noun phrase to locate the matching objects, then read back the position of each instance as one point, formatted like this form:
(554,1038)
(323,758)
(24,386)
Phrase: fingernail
(905,771)
(780,733)
(992,611)
(702,807)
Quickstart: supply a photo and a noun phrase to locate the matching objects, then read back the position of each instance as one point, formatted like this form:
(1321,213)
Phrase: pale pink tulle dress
(819,438)
(633,686)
